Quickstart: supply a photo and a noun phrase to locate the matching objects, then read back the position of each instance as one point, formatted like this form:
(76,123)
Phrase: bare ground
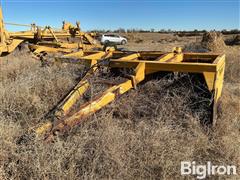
(145,134)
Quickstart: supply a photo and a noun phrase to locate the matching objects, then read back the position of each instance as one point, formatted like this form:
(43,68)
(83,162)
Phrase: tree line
(152,30)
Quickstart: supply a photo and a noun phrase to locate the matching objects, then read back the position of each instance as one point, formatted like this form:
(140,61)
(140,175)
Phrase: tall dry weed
(145,134)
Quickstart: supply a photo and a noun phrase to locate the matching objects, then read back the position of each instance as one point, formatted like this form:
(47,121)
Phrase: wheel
(124,42)
(106,42)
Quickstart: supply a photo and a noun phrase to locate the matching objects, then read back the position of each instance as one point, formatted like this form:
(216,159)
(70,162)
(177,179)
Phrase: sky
(113,14)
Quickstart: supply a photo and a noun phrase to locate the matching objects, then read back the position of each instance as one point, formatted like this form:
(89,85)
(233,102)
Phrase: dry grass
(213,41)
(144,135)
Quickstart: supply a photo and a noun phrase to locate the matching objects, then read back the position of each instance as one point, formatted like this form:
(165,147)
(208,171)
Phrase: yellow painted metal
(67,26)
(219,78)
(154,66)
(39,49)
(214,80)
(88,57)
(218,85)
(177,50)
(2,29)
(213,72)
(178,58)
(16,24)
(64,47)
(165,57)
(91,107)
(130,57)
(48,33)
(70,100)
(96,104)
(210,79)
(89,38)
(86,109)
(77,54)
(8,48)
(10,40)
(140,72)
(210,65)
(6,44)
(101,101)
(65,106)
(43,128)
(53,34)
(97,55)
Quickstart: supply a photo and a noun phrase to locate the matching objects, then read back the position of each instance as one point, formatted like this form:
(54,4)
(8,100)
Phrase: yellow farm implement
(45,39)
(125,71)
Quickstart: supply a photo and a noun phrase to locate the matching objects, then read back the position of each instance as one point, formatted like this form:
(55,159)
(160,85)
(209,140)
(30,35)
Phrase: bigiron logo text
(202,171)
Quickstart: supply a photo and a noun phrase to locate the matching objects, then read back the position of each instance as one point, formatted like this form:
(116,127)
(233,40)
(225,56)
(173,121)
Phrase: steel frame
(144,63)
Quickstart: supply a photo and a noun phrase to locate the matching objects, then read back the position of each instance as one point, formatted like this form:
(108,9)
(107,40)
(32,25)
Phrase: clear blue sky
(112,14)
